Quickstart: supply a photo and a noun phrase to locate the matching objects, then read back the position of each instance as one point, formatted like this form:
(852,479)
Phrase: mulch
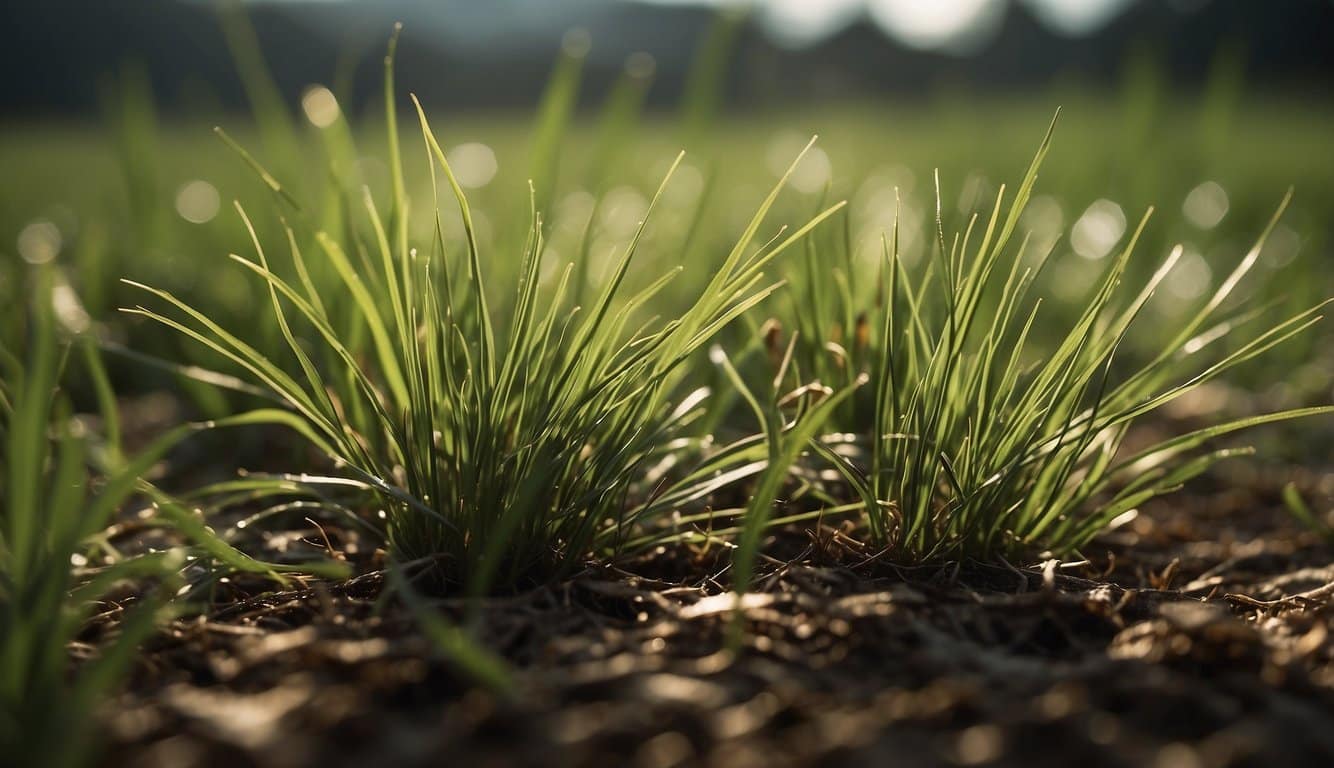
(1198,635)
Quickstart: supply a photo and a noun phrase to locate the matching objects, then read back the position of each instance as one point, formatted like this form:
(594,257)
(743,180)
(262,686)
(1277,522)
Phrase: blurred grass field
(148,199)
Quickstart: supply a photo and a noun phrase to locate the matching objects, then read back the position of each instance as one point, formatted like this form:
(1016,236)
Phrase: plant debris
(1199,636)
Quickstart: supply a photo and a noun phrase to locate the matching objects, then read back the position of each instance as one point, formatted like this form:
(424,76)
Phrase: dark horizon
(70,48)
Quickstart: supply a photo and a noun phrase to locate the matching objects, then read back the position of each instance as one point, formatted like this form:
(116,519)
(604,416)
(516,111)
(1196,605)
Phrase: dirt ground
(1198,635)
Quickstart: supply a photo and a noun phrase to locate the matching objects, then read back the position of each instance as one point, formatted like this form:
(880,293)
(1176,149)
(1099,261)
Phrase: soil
(1198,635)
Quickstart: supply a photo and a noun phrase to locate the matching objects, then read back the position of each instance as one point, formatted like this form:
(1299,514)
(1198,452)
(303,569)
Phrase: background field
(116,193)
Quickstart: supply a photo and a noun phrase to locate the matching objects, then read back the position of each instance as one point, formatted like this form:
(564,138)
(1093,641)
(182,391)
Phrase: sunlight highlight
(39,242)
(1098,230)
(474,164)
(320,106)
(1206,205)
(197,201)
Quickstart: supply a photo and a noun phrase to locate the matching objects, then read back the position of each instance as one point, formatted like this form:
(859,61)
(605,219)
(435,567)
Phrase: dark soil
(1198,635)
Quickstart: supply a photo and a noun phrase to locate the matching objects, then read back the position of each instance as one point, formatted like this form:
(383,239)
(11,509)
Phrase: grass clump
(982,445)
(504,448)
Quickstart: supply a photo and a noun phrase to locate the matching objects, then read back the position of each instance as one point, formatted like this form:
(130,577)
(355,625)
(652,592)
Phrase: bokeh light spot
(197,201)
(576,43)
(1098,230)
(1192,276)
(811,173)
(640,65)
(39,242)
(474,164)
(320,106)
(1206,205)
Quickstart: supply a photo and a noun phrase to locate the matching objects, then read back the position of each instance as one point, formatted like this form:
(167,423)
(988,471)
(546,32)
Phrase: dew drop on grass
(197,201)
(1206,205)
(1098,230)
(39,242)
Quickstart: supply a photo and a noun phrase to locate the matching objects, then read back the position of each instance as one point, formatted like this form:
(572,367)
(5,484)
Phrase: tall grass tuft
(983,444)
(505,447)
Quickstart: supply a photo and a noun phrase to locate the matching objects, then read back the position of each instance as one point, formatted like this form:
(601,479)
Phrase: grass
(44,523)
(510,383)
(514,456)
(505,453)
(62,487)
(71,177)
(46,519)
(980,448)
